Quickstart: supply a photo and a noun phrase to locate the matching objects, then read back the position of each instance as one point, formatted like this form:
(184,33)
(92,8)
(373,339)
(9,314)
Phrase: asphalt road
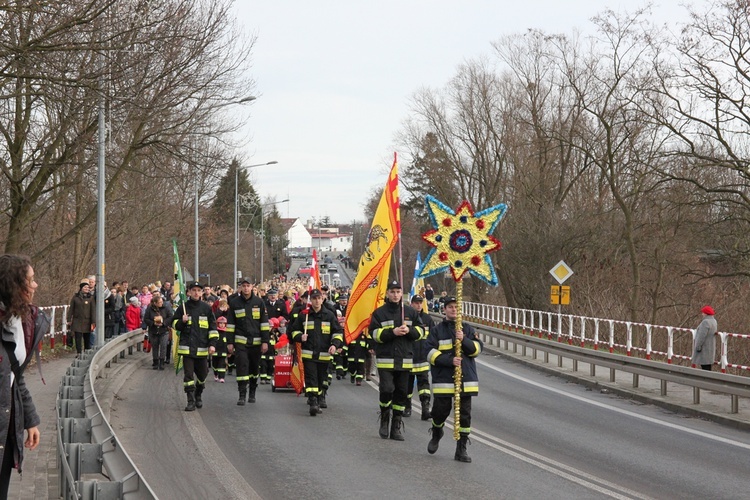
(533,436)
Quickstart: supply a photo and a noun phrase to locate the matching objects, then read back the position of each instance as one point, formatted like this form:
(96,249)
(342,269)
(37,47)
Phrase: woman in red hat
(704,345)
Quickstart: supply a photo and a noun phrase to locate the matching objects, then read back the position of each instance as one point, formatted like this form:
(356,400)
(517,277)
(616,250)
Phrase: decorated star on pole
(461,240)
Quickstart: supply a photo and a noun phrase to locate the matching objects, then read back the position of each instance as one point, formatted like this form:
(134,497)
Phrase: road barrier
(92,462)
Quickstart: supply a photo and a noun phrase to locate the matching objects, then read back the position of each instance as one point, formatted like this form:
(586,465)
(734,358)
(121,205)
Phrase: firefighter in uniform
(341,357)
(247,338)
(441,355)
(196,326)
(421,369)
(319,334)
(394,327)
(276,309)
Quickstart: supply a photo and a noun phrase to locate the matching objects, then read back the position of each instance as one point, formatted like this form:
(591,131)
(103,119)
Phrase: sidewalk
(40,476)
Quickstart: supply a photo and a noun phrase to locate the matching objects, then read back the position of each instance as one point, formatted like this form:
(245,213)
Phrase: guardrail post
(663,387)
(636,380)
(735,404)
(612,374)
(696,395)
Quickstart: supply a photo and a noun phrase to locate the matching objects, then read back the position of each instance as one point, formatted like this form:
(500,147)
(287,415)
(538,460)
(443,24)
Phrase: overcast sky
(334,81)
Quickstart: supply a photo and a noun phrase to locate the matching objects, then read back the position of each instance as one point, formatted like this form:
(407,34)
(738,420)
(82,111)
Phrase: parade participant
(341,358)
(267,358)
(196,326)
(441,356)
(247,338)
(82,316)
(157,317)
(319,334)
(276,308)
(421,369)
(23,327)
(219,359)
(394,327)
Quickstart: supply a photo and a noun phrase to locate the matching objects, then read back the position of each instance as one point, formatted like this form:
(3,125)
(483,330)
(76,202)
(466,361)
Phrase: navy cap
(393,285)
(272,291)
(417,298)
(449,300)
(316,293)
(245,280)
(343,296)
(194,284)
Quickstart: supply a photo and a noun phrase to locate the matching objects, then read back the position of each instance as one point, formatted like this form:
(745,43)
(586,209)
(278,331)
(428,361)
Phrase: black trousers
(442,406)
(194,368)
(247,359)
(316,376)
(394,388)
(83,341)
(423,384)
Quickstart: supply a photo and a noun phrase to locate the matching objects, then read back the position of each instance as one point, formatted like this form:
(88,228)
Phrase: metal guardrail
(92,462)
(732,385)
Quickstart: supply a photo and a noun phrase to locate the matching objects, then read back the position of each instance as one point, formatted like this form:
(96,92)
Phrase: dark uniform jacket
(420,346)
(394,352)
(277,310)
(82,312)
(247,321)
(199,333)
(440,354)
(323,331)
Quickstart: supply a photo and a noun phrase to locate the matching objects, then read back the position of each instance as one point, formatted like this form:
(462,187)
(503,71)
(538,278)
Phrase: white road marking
(615,409)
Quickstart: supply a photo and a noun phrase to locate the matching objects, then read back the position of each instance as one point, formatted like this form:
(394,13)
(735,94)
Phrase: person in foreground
(23,327)
(443,361)
(195,322)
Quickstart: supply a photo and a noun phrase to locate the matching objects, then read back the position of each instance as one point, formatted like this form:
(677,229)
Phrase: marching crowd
(228,331)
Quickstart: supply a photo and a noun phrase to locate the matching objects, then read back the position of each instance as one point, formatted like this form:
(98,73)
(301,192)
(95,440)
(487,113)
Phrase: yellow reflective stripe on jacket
(420,367)
(230,327)
(385,363)
(340,337)
(471,387)
(203,322)
(442,388)
(432,355)
(239,339)
(202,351)
(213,334)
(445,345)
(477,349)
(239,313)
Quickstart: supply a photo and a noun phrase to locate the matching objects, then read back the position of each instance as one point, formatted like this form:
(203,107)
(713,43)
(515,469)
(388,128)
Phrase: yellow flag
(371,281)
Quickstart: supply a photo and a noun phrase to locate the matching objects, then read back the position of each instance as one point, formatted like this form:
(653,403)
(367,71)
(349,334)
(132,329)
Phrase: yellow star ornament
(461,240)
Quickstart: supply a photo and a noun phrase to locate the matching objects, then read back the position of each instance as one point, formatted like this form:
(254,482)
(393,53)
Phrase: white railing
(58,324)
(669,343)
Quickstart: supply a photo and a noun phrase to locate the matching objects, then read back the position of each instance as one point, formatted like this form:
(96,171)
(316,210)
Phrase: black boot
(155,365)
(190,401)
(161,364)
(243,397)
(251,395)
(437,434)
(313,402)
(461,454)
(198,394)
(407,409)
(396,426)
(426,411)
(385,422)
(322,399)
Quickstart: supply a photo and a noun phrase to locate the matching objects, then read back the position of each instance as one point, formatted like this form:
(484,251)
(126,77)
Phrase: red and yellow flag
(371,281)
(316,269)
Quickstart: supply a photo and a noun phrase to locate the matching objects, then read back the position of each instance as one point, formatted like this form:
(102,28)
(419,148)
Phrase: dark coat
(82,312)
(148,317)
(25,415)
(440,353)
(247,321)
(394,352)
(199,332)
(323,331)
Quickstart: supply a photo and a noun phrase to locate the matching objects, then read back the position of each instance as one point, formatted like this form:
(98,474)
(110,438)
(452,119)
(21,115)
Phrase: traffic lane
(147,416)
(615,439)
(283,452)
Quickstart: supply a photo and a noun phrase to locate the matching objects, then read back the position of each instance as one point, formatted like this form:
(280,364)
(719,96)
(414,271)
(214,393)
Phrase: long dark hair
(13,283)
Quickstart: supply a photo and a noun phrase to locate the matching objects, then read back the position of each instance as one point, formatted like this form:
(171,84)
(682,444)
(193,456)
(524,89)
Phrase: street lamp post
(263,235)
(236,210)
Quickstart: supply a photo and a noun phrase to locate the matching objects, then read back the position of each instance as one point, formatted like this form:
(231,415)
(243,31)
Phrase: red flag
(316,269)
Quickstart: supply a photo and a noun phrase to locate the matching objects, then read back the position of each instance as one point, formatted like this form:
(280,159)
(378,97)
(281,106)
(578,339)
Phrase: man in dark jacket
(196,326)
(421,369)
(394,327)
(318,331)
(441,355)
(248,335)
